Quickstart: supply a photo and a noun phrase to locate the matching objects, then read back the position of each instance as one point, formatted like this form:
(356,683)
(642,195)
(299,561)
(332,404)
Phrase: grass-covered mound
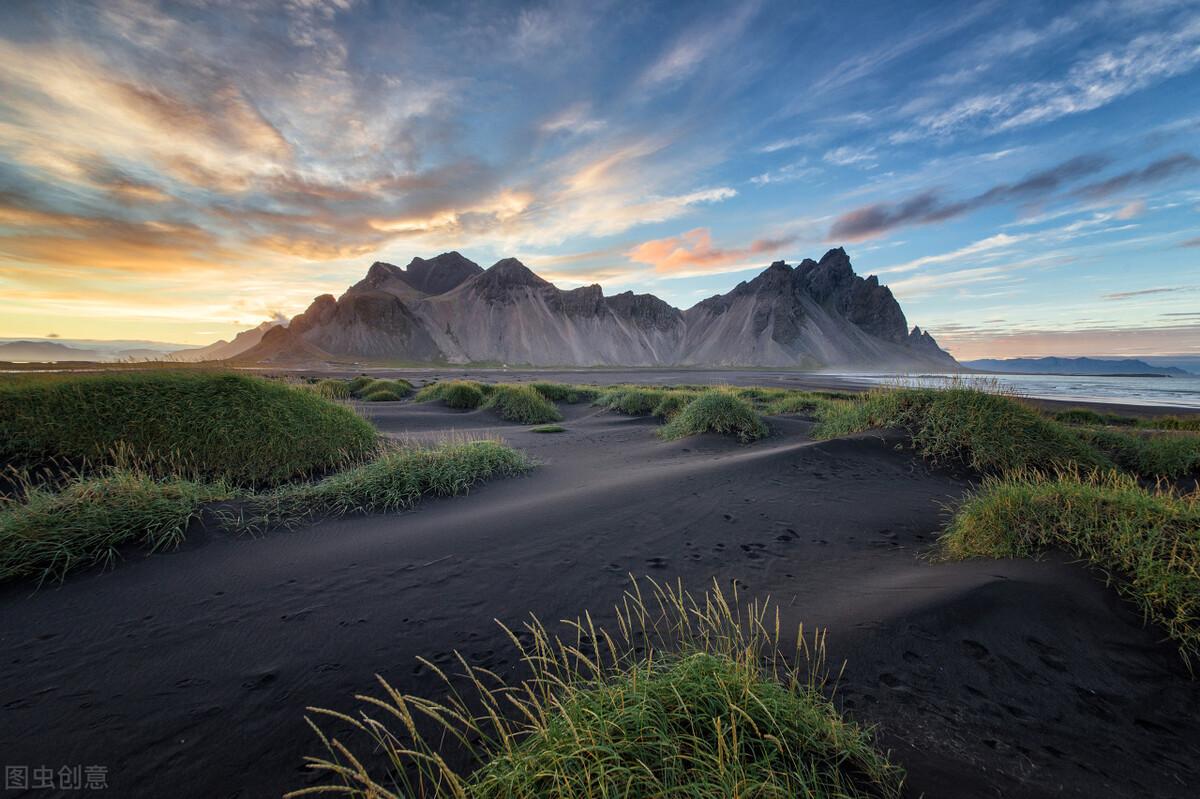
(523,404)
(197,424)
(662,402)
(457,394)
(46,534)
(989,432)
(717,411)
(687,698)
(395,480)
(548,428)
(564,392)
(1150,540)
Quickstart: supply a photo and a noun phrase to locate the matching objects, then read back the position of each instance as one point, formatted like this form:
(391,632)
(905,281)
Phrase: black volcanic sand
(187,673)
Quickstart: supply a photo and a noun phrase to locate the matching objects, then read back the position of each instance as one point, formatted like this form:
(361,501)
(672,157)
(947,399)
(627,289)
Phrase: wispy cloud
(928,206)
(1126,295)
(1090,83)
(694,252)
(1157,172)
(851,156)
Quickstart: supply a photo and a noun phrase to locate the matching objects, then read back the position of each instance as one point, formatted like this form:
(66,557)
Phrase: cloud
(989,245)
(1189,243)
(849,156)
(928,206)
(693,251)
(574,119)
(1161,170)
(805,140)
(1088,84)
(691,49)
(786,174)
(1126,295)
(1132,210)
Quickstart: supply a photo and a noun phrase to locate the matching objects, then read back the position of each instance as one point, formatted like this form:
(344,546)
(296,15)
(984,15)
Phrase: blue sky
(1025,176)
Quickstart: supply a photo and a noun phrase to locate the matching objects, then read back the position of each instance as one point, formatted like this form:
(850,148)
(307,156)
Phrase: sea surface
(1179,392)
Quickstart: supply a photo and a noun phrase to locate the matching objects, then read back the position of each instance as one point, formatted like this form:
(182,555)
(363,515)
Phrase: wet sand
(187,673)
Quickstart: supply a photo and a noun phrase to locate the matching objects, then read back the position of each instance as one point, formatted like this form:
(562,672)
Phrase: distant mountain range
(41,350)
(448,309)
(1075,366)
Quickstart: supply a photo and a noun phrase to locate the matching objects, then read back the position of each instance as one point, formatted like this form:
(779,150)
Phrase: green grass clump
(1189,423)
(45,534)
(457,394)
(379,390)
(395,480)
(522,404)
(1086,416)
(989,432)
(672,402)
(203,425)
(333,389)
(381,394)
(1166,455)
(716,412)
(357,384)
(687,697)
(1151,538)
(801,403)
(548,428)
(564,392)
(631,400)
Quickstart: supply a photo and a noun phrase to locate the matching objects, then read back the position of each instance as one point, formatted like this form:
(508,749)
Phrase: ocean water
(1178,392)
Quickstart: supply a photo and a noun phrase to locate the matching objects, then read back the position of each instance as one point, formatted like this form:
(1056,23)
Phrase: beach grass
(45,534)
(717,411)
(683,697)
(396,479)
(458,394)
(522,404)
(195,424)
(565,392)
(989,432)
(1147,542)
(548,428)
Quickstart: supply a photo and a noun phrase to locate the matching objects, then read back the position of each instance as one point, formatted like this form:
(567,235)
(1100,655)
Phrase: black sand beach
(187,674)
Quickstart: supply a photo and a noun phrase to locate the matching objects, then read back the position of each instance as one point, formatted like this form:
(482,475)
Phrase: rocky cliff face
(816,314)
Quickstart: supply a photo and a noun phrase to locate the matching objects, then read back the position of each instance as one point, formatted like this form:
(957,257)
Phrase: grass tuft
(393,481)
(46,534)
(563,392)
(989,432)
(457,394)
(1150,538)
(685,698)
(522,404)
(548,428)
(718,411)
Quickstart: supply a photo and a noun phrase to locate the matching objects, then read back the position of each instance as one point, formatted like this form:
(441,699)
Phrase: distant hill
(1074,366)
(448,309)
(47,351)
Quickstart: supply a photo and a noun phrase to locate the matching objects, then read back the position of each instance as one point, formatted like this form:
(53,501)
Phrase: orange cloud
(694,251)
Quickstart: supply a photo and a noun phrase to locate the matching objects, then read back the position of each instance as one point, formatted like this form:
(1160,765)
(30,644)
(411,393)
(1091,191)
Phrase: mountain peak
(511,272)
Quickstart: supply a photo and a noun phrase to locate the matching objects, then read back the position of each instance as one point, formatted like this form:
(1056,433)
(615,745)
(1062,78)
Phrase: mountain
(448,309)
(223,350)
(1074,366)
(45,351)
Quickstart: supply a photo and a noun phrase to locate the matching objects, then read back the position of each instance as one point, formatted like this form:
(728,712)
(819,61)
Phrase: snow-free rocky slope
(448,309)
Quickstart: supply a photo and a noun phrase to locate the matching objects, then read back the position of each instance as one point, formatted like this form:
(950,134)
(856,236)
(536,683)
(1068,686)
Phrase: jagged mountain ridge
(448,309)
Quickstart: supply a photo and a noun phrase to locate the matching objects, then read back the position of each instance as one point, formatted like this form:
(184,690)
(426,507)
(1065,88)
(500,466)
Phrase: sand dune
(986,678)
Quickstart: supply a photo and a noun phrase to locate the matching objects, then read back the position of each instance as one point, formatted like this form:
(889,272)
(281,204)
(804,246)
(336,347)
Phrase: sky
(1025,176)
